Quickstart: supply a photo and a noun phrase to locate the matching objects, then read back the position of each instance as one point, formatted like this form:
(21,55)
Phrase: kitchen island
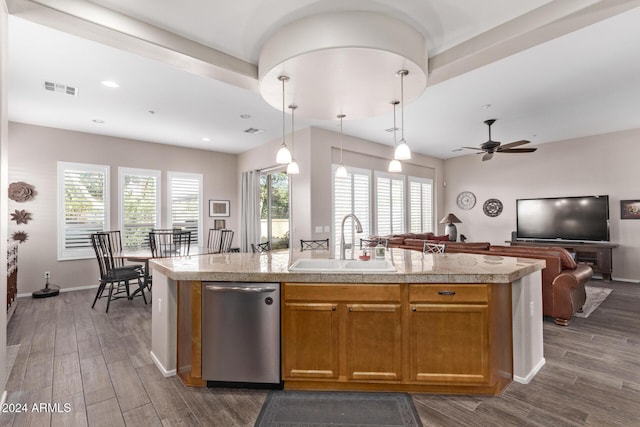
(450,323)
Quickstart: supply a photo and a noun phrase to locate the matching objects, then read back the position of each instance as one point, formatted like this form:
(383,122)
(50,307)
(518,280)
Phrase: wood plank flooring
(98,365)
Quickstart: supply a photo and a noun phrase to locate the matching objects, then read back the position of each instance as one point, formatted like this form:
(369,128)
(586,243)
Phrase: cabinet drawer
(449,293)
(340,292)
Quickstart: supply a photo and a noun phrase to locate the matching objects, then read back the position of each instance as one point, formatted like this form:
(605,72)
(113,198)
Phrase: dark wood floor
(99,365)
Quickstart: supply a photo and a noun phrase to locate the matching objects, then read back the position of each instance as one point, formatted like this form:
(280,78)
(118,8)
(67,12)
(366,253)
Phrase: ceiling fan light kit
(491,147)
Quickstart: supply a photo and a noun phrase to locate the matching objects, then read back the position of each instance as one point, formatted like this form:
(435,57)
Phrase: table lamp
(450,229)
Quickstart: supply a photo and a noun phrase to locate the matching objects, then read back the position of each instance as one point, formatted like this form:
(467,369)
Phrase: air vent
(60,88)
(391,129)
(253,130)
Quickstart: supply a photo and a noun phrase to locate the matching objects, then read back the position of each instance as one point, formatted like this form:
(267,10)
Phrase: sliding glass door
(274,208)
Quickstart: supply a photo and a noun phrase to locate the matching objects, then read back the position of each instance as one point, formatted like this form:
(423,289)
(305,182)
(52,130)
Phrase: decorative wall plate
(21,191)
(466,200)
(492,207)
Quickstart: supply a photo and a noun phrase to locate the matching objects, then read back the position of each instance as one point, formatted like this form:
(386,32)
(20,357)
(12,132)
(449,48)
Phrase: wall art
(21,216)
(21,191)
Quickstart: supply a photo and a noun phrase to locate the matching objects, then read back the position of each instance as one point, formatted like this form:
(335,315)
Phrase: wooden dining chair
(116,278)
(226,240)
(261,247)
(372,243)
(166,244)
(215,239)
(115,242)
(434,248)
(314,244)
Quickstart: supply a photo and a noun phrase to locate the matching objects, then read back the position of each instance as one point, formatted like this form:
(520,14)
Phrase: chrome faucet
(358,230)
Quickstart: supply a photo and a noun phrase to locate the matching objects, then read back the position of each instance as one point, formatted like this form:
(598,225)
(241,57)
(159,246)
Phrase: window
(139,191)
(83,207)
(351,195)
(390,205)
(420,205)
(185,203)
(274,208)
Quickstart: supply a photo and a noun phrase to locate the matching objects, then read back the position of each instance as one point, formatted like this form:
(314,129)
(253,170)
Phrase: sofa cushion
(444,238)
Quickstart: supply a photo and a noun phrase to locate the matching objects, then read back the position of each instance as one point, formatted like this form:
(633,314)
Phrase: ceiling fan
(491,146)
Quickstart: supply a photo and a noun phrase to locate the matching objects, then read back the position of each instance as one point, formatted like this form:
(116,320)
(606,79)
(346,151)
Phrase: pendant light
(284,155)
(403,152)
(394,164)
(292,168)
(341,172)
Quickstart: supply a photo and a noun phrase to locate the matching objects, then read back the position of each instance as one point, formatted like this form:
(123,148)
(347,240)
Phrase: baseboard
(77,288)
(621,279)
(532,373)
(4,398)
(162,369)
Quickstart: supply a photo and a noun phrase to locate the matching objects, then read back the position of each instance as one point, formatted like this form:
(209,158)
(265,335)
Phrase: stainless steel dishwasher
(241,333)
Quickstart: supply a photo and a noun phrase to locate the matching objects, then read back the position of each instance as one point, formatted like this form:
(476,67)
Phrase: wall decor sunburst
(20,236)
(21,216)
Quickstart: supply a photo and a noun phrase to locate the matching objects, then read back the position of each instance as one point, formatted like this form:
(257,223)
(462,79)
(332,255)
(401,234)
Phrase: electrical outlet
(47,274)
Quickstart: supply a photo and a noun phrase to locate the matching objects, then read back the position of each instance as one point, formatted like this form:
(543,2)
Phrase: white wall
(311,200)
(34,153)
(4,184)
(601,164)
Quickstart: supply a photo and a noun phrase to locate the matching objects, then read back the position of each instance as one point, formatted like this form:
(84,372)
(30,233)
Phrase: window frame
(186,175)
(85,252)
(154,173)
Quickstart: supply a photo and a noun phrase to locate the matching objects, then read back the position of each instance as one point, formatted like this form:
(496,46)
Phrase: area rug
(595,297)
(307,408)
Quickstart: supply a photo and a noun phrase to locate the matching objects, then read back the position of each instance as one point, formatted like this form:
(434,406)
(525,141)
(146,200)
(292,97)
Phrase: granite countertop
(411,267)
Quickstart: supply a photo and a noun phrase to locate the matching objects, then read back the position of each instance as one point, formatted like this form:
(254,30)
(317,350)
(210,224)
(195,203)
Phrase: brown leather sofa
(563,281)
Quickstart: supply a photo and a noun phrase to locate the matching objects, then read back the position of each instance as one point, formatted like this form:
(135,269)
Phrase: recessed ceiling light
(109,83)
(391,129)
(151,112)
(245,116)
(205,139)
(486,106)
(253,130)
(100,121)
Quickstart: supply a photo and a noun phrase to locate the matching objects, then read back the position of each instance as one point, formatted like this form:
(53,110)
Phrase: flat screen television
(576,219)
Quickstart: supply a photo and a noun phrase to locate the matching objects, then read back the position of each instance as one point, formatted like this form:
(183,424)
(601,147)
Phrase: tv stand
(598,255)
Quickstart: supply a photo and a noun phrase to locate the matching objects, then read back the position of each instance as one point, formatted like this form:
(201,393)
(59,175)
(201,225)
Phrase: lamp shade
(293,168)
(395,166)
(284,155)
(450,219)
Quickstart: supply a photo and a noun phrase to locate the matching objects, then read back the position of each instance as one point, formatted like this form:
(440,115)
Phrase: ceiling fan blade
(487,156)
(474,148)
(518,150)
(513,144)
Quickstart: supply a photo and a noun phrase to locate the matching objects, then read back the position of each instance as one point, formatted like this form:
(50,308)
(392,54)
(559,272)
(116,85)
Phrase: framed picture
(219,224)
(218,207)
(630,209)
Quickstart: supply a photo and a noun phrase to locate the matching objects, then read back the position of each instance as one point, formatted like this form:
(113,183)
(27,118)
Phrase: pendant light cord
(341,140)
(282,78)
(402,102)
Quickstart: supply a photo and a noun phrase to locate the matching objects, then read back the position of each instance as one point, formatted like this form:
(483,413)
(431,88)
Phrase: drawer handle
(333,308)
(446,292)
(350,308)
(414,309)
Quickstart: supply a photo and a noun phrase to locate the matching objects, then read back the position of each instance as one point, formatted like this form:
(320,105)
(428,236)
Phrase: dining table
(144,255)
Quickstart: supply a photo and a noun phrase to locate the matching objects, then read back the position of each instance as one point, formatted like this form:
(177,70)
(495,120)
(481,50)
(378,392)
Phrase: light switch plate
(318,229)
(327,228)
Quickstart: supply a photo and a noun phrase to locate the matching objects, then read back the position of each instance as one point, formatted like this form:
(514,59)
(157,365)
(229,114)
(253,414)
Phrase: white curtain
(250,219)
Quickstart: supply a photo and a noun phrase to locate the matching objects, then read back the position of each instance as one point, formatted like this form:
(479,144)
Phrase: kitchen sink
(341,266)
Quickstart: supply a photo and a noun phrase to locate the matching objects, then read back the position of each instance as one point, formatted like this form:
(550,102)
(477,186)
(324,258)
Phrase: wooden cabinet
(374,341)
(599,256)
(310,340)
(449,333)
(341,332)
(453,338)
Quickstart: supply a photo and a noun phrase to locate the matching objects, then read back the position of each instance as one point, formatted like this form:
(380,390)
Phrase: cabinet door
(310,334)
(449,343)
(374,341)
